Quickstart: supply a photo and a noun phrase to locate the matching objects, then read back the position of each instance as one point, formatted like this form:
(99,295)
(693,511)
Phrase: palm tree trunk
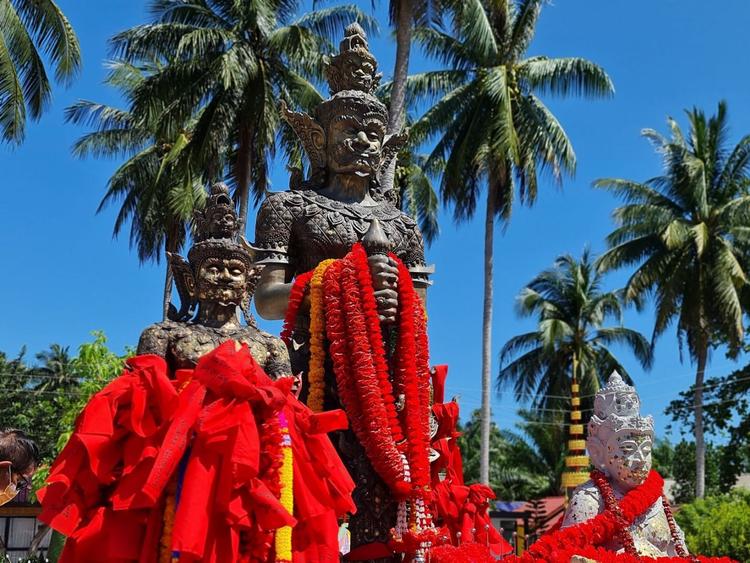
(397,111)
(489,237)
(700,445)
(170,246)
(243,173)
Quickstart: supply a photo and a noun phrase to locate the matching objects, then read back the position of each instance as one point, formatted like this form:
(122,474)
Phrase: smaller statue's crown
(617,397)
(617,407)
(218,229)
(218,218)
(354,67)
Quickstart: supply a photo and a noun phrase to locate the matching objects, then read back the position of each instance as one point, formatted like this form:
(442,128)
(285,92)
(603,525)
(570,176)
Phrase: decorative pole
(576,462)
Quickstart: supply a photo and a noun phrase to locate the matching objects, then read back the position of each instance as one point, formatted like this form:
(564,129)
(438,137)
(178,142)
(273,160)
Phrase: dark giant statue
(322,217)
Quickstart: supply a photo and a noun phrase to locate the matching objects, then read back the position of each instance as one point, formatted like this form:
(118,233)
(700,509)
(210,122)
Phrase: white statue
(619,443)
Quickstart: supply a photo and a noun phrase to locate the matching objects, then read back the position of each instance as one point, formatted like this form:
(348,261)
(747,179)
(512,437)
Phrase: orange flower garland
(316,372)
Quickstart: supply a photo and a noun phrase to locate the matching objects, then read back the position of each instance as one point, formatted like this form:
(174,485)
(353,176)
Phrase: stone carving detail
(619,443)
(218,277)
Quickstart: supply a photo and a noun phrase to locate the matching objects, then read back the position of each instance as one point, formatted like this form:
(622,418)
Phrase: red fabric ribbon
(106,488)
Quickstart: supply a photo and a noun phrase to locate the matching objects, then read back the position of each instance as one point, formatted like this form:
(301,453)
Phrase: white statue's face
(628,458)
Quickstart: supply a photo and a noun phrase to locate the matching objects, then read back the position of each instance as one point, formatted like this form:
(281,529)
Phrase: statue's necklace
(623,533)
(610,502)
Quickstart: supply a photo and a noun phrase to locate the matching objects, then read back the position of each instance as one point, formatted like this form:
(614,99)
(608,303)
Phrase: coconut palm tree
(684,232)
(405,15)
(231,62)
(571,341)
(495,135)
(26,27)
(524,465)
(56,371)
(157,185)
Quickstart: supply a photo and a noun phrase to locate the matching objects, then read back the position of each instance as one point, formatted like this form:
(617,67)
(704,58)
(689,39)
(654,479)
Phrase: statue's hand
(384,272)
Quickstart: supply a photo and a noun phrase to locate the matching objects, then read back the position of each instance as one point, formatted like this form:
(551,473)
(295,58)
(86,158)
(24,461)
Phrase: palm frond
(564,77)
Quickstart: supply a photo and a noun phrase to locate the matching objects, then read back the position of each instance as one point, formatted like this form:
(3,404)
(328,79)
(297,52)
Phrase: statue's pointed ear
(391,146)
(597,452)
(310,133)
(185,282)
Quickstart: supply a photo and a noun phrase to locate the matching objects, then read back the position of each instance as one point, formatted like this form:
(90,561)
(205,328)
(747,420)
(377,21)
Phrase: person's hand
(384,272)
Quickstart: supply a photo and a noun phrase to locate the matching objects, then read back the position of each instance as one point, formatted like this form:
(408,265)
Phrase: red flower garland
(337,337)
(296,296)
(414,380)
(379,445)
(599,529)
(611,504)
(370,311)
(363,378)
(585,539)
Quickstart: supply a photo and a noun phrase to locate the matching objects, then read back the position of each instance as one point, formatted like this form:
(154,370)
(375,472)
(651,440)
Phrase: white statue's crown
(616,408)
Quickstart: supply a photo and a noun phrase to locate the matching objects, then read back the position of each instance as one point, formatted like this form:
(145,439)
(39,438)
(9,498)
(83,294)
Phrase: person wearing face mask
(19,459)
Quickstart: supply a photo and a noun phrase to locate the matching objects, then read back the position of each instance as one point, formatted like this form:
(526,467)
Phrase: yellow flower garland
(316,370)
(283,539)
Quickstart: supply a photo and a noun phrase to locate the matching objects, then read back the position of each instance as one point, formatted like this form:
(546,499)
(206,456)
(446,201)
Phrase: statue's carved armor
(302,228)
(183,343)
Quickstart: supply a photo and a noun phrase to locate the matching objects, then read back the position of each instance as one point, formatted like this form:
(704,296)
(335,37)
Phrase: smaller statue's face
(361,71)
(222,280)
(354,145)
(628,458)
(222,223)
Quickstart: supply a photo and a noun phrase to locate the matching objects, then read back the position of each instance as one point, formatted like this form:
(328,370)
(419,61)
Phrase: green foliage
(48,411)
(662,456)
(522,466)
(726,410)
(157,185)
(718,526)
(28,27)
(227,65)
(684,231)
(721,474)
(571,308)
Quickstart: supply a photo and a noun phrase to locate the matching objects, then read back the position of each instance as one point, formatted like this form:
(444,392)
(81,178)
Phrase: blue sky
(65,276)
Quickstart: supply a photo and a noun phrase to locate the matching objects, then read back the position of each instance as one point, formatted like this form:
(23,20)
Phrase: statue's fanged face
(629,458)
(360,71)
(222,222)
(222,280)
(355,145)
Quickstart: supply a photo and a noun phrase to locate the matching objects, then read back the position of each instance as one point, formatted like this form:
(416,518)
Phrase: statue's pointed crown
(354,67)
(217,229)
(617,407)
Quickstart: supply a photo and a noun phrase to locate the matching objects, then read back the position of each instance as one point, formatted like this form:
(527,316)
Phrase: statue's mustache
(347,152)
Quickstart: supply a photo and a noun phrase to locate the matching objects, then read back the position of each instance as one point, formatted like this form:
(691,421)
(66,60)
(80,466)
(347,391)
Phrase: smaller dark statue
(218,278)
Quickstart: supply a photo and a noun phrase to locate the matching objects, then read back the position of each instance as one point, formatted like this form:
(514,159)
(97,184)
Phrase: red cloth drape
(460,508)
(106,488)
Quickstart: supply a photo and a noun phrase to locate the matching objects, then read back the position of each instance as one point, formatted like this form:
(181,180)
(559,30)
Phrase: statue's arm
(585,503)
(272,292)
(273,233)
(154,340)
